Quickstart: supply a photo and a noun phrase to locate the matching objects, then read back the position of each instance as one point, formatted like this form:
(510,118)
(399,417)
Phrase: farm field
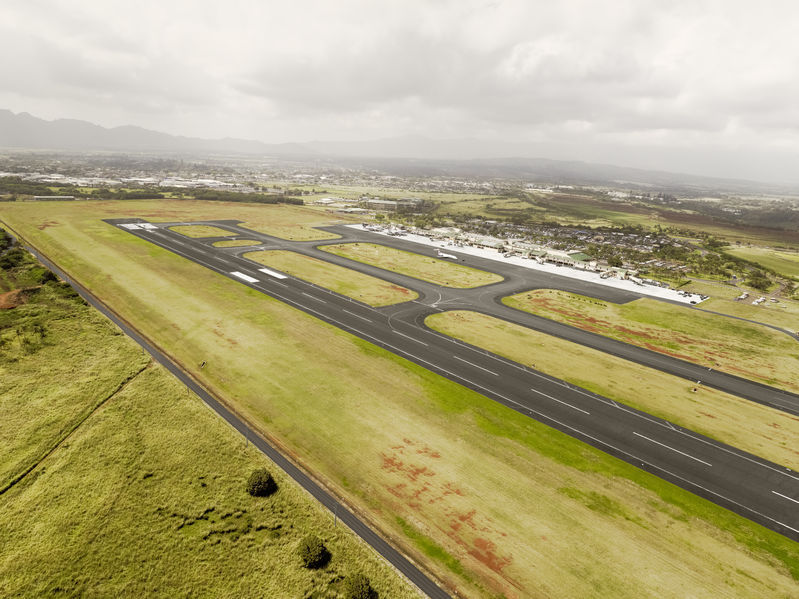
(364,288)
(476,492)
(740,348)
(785,263)
(200,231)
(749,426)
(432,270)
(150,484)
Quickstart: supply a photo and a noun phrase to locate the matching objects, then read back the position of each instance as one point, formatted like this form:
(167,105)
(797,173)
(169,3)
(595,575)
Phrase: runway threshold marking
(244,277)
(687,455)
(475,365)
(272,273)
(565,403)
(356,315)
(786,497)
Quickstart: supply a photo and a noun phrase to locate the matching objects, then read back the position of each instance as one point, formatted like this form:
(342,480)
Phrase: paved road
(746,484)
(342,512)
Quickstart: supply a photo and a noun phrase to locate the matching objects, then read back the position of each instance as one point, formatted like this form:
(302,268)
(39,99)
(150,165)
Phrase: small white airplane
(444,255)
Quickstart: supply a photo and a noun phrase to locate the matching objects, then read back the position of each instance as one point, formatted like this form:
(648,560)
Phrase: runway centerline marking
(687,455)
(409,337)
(475,365)
(356,315)
(313,297)
(786,497)
(567,404)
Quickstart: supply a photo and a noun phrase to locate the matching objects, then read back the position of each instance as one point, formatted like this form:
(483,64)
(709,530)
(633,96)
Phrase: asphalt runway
(762,491)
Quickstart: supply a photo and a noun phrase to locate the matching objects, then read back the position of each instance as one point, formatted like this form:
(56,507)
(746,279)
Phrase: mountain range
(407,156)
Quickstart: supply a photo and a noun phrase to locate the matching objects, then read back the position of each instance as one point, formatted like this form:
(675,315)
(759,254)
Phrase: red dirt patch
(485,552)
(15,297)
(400,289)
(48,223)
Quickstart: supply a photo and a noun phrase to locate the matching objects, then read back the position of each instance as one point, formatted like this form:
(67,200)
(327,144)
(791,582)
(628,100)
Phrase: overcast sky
(701,86)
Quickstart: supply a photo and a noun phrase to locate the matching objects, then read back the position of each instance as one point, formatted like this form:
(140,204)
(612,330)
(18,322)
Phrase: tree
(615,261)
(261,483)
(313,552)
(359,586)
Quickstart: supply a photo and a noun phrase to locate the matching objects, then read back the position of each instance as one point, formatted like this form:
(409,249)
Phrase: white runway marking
(786,497)
(313,297)
(244,277)
(568,405)
(130,226)
(356,315)
(476,366)
(272,273)
(672,449)
(409,337)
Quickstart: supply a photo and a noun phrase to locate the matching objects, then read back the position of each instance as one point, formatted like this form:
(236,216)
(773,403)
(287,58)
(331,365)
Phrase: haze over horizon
(704,87)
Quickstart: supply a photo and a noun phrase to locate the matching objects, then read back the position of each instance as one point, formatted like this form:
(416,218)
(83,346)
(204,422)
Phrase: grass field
(235,243)
(364,288)
(752,427)
(485,497)
(137,489)
(737,347)
(432,270)
(785,263)
(200,231)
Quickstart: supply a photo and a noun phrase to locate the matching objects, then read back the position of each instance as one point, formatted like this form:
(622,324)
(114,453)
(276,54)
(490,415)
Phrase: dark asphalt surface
(341,512)
(762,491)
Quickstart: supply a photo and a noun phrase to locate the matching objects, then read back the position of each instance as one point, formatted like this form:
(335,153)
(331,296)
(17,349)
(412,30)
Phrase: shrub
(358,586)
(313,552)
(261,483)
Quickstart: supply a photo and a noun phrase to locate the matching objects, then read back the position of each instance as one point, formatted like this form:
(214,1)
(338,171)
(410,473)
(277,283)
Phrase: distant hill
(408,156)
(25,131)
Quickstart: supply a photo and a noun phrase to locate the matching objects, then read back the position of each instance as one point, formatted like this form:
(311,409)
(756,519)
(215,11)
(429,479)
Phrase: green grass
(397,441)
(136,488)
(199,231)
(741,348)
(730,419)
(432,270)
(785,263)
(235,243)
(364,288)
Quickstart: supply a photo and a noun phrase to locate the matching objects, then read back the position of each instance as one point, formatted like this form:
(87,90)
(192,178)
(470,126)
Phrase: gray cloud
(688,77)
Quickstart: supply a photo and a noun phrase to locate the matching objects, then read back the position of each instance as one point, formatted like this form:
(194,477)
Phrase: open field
(752,427)
(785,263)
(235,243)
(475,491)
(364,288)
(149,484)
(741,348)
(432,270)
(199,231)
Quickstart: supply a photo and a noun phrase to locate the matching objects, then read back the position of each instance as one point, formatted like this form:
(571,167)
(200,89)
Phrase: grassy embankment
(741,348)
(432,270)
(485,497)
(127,486)
(752,427)
(364,288)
